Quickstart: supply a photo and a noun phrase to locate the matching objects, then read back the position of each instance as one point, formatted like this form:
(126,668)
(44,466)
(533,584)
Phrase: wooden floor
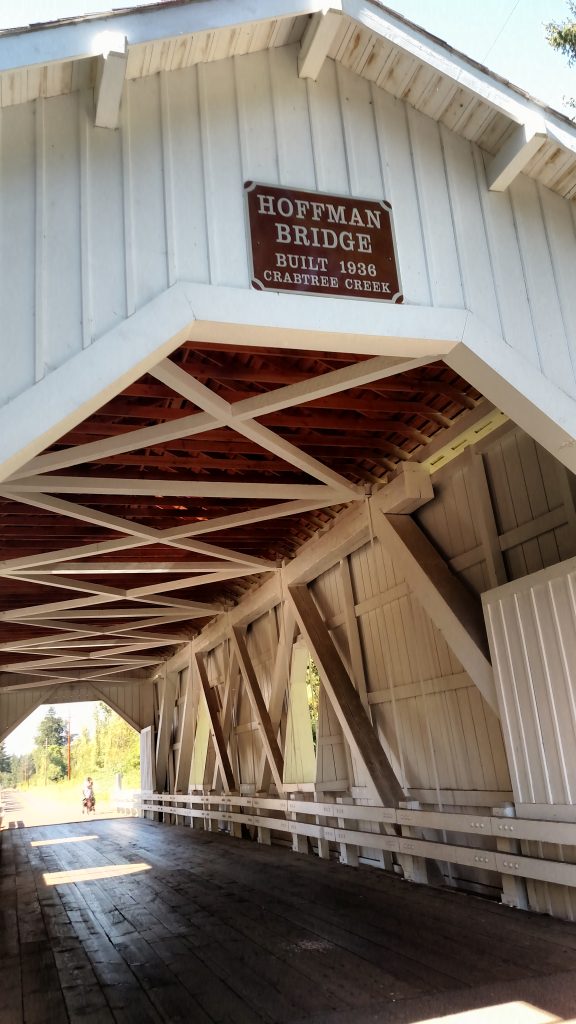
(205,928)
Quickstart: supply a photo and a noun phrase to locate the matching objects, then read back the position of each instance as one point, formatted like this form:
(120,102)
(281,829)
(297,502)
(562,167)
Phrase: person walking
(88,798)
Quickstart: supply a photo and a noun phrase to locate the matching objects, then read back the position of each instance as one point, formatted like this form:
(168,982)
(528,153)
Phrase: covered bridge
(288,372)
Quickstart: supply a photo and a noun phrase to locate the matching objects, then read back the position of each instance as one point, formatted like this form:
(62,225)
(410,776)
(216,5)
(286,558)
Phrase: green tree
(313,684)
(51,731)
(5,766)
(48,749)
(562,36)
(83,755)
(102,717)
(112,746)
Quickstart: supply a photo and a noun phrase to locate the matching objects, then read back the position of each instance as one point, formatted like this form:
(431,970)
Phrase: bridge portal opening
(46,760)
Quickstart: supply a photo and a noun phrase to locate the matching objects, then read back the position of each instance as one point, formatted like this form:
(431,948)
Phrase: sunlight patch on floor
(503,1013)
(93,874)
(58,842)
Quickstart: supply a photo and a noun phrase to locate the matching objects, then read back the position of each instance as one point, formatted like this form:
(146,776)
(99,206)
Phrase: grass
(67,790)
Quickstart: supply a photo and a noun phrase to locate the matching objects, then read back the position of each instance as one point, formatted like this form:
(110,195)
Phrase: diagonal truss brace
(452,608)
(267,732)
(215,725)
(344,698)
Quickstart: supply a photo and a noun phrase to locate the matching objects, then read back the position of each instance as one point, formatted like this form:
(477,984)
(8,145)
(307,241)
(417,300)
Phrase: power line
(493,44)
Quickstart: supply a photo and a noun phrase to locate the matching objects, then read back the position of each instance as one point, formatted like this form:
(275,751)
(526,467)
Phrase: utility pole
(68,747)
(46,763)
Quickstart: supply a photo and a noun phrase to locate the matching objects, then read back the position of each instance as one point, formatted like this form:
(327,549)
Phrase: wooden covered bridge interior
(208,483)
(400,496)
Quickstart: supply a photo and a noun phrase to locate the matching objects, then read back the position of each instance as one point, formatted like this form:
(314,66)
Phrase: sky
(508,36)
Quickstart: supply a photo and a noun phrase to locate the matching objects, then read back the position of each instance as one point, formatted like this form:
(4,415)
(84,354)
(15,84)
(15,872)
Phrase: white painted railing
(330,817)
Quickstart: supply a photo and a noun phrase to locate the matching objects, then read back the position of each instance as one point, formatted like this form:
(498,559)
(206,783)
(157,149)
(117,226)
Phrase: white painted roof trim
(78,38)
(502,97)
(83,38)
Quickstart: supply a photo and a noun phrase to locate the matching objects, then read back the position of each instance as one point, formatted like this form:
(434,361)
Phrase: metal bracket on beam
(515,154)
(111,72)
(316,42)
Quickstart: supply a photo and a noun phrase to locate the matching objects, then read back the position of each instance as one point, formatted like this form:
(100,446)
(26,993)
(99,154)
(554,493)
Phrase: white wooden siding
(434,725)
(532,511)
(532,630)
(107,220)
(531,627)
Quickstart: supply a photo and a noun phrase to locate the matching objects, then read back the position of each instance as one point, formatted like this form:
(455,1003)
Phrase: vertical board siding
(291,120)
(135,699)
(509,279)
(145,182)
(471,243)
(435,211)
(17,224)
(61,224)
(533,511)
(15,706)
(222,175)
(532,631)
(104,243)
(326,132)
(183,139)
(433,723)
(106,221)
(256,123)
(400,188)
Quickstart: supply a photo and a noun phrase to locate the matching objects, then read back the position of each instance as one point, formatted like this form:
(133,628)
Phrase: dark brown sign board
(321,244)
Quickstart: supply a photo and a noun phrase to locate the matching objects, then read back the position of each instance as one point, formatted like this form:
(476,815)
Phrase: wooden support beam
(166,719)
(345,700)
(111,72)
(280,678)
(453,609)
(186,727)
(232,683)
(220,750)
(267,732)
(316,42)
(410,488)
(487,527)
(353,633)
(513,156)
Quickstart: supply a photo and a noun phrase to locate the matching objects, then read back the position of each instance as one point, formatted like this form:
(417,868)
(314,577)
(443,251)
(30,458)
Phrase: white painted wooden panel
(102,225)
(532,631)
(17,277)
(106,221)
(531,627)
(200,750)
(59,196)
(147,760)
(133,701)
(433,724)
(15,706)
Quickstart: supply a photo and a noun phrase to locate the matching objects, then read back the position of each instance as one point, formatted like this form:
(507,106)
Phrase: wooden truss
(122,540)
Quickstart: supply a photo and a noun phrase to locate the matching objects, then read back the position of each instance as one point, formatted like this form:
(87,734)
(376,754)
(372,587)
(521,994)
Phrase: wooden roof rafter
(185,498)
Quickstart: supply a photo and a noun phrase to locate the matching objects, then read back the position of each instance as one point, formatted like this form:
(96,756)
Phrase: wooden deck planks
(218,931)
